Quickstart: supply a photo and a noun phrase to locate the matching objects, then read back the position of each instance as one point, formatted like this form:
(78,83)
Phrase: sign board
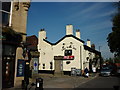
(35,64)
(20,67)
(69,57)
(63,57)
(58,57)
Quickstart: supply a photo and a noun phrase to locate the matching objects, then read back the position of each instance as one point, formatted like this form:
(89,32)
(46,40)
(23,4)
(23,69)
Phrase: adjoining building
(14,20)
(67,53)
(33,42)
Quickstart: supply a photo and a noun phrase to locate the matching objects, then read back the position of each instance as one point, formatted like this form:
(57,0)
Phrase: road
(102,82)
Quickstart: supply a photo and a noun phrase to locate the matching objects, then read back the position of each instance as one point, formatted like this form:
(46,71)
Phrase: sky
(92,18)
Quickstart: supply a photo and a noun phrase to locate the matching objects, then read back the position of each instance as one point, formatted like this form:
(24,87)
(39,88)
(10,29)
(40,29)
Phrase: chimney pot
(78,33)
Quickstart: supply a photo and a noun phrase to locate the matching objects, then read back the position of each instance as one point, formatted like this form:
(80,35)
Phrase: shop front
(8,65)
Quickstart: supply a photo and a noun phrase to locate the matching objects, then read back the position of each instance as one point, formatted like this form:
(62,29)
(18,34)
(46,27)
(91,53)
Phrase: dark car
(105,71)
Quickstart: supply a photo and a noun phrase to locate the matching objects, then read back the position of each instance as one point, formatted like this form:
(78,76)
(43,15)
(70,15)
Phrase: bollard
(116,87)
(39,84)
(23,84)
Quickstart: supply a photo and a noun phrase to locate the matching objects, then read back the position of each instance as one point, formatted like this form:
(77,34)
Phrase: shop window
(6,6)
(43,66)
(68,52)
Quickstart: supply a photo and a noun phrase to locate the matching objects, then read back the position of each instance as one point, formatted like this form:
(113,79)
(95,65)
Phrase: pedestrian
(94,69)
(86,73)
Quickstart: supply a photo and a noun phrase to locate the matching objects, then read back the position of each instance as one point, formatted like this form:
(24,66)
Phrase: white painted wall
(48,51)
(46,56)
(76,53)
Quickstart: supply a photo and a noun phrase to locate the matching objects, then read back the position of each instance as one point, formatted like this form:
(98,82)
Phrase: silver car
(118,71)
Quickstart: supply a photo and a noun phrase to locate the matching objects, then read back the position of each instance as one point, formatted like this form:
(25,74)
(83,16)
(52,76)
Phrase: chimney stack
(42,34)
(69,29)
(78,33)
(88,43)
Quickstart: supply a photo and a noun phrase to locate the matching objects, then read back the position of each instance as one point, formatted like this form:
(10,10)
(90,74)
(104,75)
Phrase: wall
(19,17)
(46,56)
(18,23)
(76,53)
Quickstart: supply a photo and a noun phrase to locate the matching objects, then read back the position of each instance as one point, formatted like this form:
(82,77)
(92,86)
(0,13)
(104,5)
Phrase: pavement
(51,81)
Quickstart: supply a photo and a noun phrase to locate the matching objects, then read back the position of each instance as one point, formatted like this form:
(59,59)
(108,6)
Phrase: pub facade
(67,53)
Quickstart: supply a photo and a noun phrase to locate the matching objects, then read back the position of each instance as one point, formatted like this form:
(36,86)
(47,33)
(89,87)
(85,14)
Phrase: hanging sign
(20,67)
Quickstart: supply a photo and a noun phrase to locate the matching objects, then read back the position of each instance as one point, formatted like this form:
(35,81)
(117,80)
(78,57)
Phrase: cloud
(89,12)
(85,11)
(97,26)
(105,14)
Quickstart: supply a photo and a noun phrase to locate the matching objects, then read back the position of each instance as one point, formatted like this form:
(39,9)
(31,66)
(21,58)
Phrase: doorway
(8,65)
(8,70)
(58,67)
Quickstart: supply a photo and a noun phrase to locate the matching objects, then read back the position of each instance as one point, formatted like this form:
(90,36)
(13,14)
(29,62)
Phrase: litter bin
(73,71)
(39,84)
(78,72)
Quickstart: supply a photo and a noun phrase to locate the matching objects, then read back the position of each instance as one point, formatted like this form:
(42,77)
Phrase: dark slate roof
(64,38)
(91,50)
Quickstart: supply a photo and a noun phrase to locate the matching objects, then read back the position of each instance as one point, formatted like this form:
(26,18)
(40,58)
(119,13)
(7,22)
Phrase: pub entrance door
(58,68)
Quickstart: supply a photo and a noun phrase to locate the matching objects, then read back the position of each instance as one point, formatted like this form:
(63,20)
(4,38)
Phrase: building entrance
(8,65)
(58,67)
(8,69)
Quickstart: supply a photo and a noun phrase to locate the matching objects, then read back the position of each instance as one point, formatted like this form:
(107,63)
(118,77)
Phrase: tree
(113,38)
(8,34)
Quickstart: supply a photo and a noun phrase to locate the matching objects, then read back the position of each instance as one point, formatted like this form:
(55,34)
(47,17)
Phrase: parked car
(118,70)
(105,71)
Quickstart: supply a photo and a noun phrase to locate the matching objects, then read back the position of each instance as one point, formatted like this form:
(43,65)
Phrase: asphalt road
(102,83)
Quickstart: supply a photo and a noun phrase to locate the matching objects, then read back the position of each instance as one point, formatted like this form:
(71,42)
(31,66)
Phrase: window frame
(68,52)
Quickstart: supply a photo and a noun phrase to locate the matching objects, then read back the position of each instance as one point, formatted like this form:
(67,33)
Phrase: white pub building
(69,52)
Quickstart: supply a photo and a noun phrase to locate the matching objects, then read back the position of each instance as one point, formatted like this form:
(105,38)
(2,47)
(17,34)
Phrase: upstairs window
(68,52)
(5,11)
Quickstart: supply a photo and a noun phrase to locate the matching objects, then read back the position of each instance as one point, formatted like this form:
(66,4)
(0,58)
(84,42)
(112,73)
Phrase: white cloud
(86,11)
(98,26)
(110,13)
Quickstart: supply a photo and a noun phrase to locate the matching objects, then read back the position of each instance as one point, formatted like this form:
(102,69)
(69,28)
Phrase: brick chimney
(42,34)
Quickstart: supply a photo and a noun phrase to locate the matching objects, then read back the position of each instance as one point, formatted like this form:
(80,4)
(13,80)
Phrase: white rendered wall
(76,53)
(46,56)
(46,52)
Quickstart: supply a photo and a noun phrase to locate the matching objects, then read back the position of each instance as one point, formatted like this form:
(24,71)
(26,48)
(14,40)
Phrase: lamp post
(27,56)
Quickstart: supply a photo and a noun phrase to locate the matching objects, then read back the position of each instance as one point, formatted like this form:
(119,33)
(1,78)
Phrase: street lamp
(27,58)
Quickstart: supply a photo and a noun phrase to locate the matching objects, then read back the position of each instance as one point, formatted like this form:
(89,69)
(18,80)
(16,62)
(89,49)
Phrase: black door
(8,69)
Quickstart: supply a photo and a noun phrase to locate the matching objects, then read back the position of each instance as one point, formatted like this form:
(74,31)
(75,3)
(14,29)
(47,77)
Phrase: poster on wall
(20,67)
(35,64)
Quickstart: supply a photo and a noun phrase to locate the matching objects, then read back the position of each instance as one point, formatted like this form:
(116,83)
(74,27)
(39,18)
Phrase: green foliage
(117,59)
(113,38)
